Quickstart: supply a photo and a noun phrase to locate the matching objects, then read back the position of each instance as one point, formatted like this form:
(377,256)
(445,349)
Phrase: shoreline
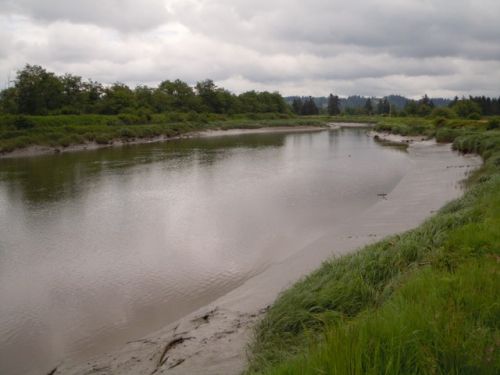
(212,340)
(396,138)
(38,150)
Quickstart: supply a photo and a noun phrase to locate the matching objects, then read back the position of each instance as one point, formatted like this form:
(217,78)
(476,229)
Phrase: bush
(465,108)
(65,141)
(493,123)
(445,135)
(23,122)
(129,119)
(440,122)
(443,112)
(103,139)
(126,133)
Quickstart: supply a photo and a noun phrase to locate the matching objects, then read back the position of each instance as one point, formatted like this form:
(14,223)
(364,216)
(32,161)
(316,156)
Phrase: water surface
(101,247)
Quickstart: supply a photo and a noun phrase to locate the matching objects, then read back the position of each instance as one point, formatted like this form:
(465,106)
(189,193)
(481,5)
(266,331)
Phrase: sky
(297,47)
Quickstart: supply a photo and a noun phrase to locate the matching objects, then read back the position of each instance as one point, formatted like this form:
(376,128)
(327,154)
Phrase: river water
(101,247)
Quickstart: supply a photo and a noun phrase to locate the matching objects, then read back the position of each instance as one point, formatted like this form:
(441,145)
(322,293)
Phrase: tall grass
(65,130)
(423,302)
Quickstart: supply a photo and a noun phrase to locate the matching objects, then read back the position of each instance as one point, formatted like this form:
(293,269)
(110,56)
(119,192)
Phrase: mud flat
(213,339)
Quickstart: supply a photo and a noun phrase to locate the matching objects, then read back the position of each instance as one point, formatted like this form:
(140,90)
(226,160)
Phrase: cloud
(366,47)
(124,15)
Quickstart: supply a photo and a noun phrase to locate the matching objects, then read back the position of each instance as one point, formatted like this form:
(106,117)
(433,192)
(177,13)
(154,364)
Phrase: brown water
(102,247)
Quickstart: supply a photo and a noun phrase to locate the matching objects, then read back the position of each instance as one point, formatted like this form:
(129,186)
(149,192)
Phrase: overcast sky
(305,47)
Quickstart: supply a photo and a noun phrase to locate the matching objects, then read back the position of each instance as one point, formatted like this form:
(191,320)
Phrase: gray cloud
(125,15)
(314,47)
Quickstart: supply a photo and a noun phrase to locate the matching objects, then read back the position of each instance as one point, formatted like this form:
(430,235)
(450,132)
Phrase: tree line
(471,107)
(39,92)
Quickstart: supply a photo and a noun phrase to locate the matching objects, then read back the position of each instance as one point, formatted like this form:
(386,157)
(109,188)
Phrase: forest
(36,91)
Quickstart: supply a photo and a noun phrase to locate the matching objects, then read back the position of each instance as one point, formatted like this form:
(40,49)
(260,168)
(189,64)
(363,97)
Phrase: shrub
(440,122)
(443,112)
(130,119)
(126,133)
(493,123)
(444,135)
(103,139)
(23,122)
(65,141)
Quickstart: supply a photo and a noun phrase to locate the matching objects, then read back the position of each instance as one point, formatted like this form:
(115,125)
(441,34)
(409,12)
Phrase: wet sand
(213,339)
(38,150)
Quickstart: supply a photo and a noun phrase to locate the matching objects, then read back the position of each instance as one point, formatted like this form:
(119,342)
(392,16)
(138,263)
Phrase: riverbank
(424,301)
(36,135)
(213,339)
(37,150)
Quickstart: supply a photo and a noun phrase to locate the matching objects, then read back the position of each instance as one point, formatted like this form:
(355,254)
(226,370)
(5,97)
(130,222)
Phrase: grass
(422,302)
(65,130)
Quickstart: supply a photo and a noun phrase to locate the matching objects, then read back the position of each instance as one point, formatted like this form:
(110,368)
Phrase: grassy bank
(422,302)
(65,130)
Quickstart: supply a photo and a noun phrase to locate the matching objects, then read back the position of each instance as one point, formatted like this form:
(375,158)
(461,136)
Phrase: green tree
(73,97)
(425,106)
(117,99)
(383,107)
(368,107)
(8,100)
(466,108)
(333,105)
(144,97)
(411,108)
(37,91)
(215,99)
(297,105)
(93,92)
(309,107)
(207,91)
(179,95)
(249,102)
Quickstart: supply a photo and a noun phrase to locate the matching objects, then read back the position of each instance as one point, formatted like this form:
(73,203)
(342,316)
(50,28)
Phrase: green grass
(422,302)
(65,130)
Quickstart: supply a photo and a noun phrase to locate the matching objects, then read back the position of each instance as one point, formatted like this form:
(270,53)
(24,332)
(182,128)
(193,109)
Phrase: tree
(72,93)
(425,106)
(309,107)
(383,107)
(411,108)
(143,97)
(37,91)
(207,91)
(117,99)
(249,102)
(333,105)
(368,106)
(297,105)
(8,101)
(467,108)
(93,93)
(179,95)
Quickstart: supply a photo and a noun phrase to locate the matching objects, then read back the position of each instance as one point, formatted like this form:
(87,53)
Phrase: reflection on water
(100,247)
(51,178)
